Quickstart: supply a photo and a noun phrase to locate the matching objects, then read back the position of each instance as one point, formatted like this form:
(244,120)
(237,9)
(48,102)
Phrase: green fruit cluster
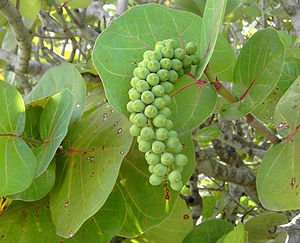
(152,83)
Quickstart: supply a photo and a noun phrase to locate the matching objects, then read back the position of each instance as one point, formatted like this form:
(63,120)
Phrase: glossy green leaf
(17,162)
(256,73)
(206,134)
(208,232)
(212,21)
(39,187)
(32,121)
(208,206)
(290,72)
(172,230)
(29,9)
(88,167)
(94,98)
(196,6)
(122,44)
(236,235)
(58,78)
(53,127)
(146,204)
(75,3)
(252,11)
(193,105)
(258,227)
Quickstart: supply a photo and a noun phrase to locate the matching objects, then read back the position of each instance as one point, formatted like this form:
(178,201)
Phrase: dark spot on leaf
(116,123)
(69,213)
(107,106)
(61,241)
(102,148)
(281,125)
(93,118)
(145,222)
(47,207)
(112,111)
(92,219)
(105,117)
(287,127)
(293,182)
(294,107)
(66,204)
(223,110)
(106,60)
(274,93)
(75,165)
(23,211)
(146,209)
(71,233)
(122,152)
(92,174)
(102,232)
(183,145)
(67,142)
(2,236)
(272,117)
(119,130)
(36,214)
(99,104)
(263,103)
(185,217)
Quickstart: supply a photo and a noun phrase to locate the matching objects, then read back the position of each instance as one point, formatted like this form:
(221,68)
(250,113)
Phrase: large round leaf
(122,44)
(146,204)
(88,167)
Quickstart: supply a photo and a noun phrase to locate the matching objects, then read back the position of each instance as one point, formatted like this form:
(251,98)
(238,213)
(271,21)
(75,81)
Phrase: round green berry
(187,70)
(129,106)
(158,90)
(176,186)
(187,61)
(155,180)
(147,133)
(141,72)
(159,103)
(191,48)
(151,168)
(167,158)
(166,63)
(167,52)
(195,59)
(133,81)
(142,86)
(169,124)
(131,117)
(180,72)
(135,130)
(179,54)
(147,97)
(158,147)
(139,139)
(175,167)
(144,146)
(161,134)
(147,54)
(172,133)
(153,66)
(178,149)
(176,64)
(173,76)
(137,106)
(163,75)
(152,158)
(143,63)
(140,120)
(160,169)
(150,111)
(172,142)
(171,43)
(167,99)
(181,160)
(156,55)
(152,79)
(165,111)
(159,45)
(159,121)
(168,86)
(134,94)
(174,176)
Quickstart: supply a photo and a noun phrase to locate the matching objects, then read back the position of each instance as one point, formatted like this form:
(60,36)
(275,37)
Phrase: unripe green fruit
(144,146)
(172,142)
(141,72)
(153,66)
(135,130)
(187,61)
(143,63)
(165,111)
(159,121)
(152,158)
(178,168)
(160,169)
(155,180)
(171,43)
(147,133)
(167,99)
(150,111)
(142,86)
(178,149)
(158,147)
(163,75)
(174,176)
(191,48)
(147,97)
(133,81)
(169,124)
(152,79)
(161,134)
(167,158)
(176,64)
(195,59)
(172,133)
(179,54)
(156,55)
(176,186)
(137,106)
(159,103)
(131,117)
(159,45)
(129,106)
(151,168)
(139,139)
(158,90)
(168,86)
(167,52)
(181,160)
(173,76)
(180,72)
(147,54)
(166,63)
(140,120)
(134,94)
(187,70)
